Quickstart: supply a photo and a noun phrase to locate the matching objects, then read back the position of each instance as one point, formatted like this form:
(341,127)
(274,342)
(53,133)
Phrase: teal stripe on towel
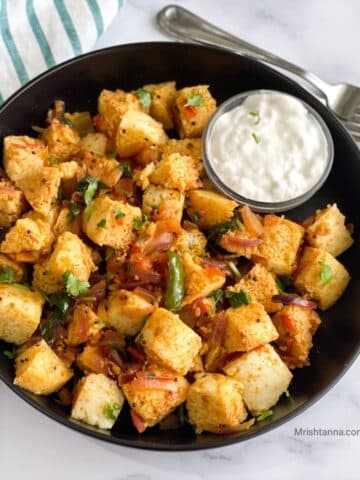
(68,25)
(120,3)
(39,34)
(96,13)
(11,46)
(1,99)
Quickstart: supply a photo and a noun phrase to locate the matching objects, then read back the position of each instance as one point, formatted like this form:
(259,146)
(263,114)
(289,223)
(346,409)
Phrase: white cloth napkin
(37,34)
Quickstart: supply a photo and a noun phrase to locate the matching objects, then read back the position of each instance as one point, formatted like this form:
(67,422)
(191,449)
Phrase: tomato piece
(212,271)
(155,382)
(190,111)
(289,324)
(270,220)
(203,305)
(167,225)
(137,421)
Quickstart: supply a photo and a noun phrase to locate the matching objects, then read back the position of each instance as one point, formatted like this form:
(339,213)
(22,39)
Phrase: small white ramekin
(256,205)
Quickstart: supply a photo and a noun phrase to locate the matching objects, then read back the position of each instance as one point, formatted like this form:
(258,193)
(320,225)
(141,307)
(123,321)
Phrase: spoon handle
(185,26)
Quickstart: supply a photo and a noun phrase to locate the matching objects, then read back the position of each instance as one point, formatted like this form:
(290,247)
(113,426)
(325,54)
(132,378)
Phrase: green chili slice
(176,283)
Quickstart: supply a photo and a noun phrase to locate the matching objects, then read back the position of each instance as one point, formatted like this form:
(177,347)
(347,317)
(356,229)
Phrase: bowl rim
(259,206)
(223,440)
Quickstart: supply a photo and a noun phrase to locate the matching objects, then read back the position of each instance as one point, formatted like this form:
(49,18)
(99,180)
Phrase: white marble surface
(322,35)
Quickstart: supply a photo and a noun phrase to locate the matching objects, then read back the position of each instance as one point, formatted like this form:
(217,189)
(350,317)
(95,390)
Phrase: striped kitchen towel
(37,34)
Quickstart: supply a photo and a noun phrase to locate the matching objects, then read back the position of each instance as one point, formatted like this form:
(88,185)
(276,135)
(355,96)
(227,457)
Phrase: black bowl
(79,82)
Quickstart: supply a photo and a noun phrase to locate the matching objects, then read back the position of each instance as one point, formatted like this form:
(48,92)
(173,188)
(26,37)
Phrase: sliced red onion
(146,294)
(136,354)
(163,377)
(251,221)
(97,290)
(217,364)
(292,300)
(77,197)
(218,333)
(115,357)
(220,264)
(245,242)
(160,243)
(129,372)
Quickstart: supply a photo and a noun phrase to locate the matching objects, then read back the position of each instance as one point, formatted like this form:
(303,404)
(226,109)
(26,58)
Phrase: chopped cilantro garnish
(7,275)
(111,154)
(196,217)
(118,213)
(74,286)
(256,116)
(191,224)
(326,273)
(99,323)
(111,410)
(68,122)
(218,295)
(21,286)
(255,137)
(287,394)
(88,299)
(140,223)
(10,353)
(194,100)
(102,223)
(74,211)
(53,161)
(144,97)
(283,283)
(109,253)
(265,415)
(219,230)
(236,299)
(234,269)
(48,327)
(60,301)
(88,186)
(126,169)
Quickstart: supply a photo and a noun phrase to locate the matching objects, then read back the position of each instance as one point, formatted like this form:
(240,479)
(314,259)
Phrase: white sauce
(273,154)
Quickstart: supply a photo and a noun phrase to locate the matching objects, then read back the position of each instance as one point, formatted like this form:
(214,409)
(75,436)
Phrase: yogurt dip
(270,148)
